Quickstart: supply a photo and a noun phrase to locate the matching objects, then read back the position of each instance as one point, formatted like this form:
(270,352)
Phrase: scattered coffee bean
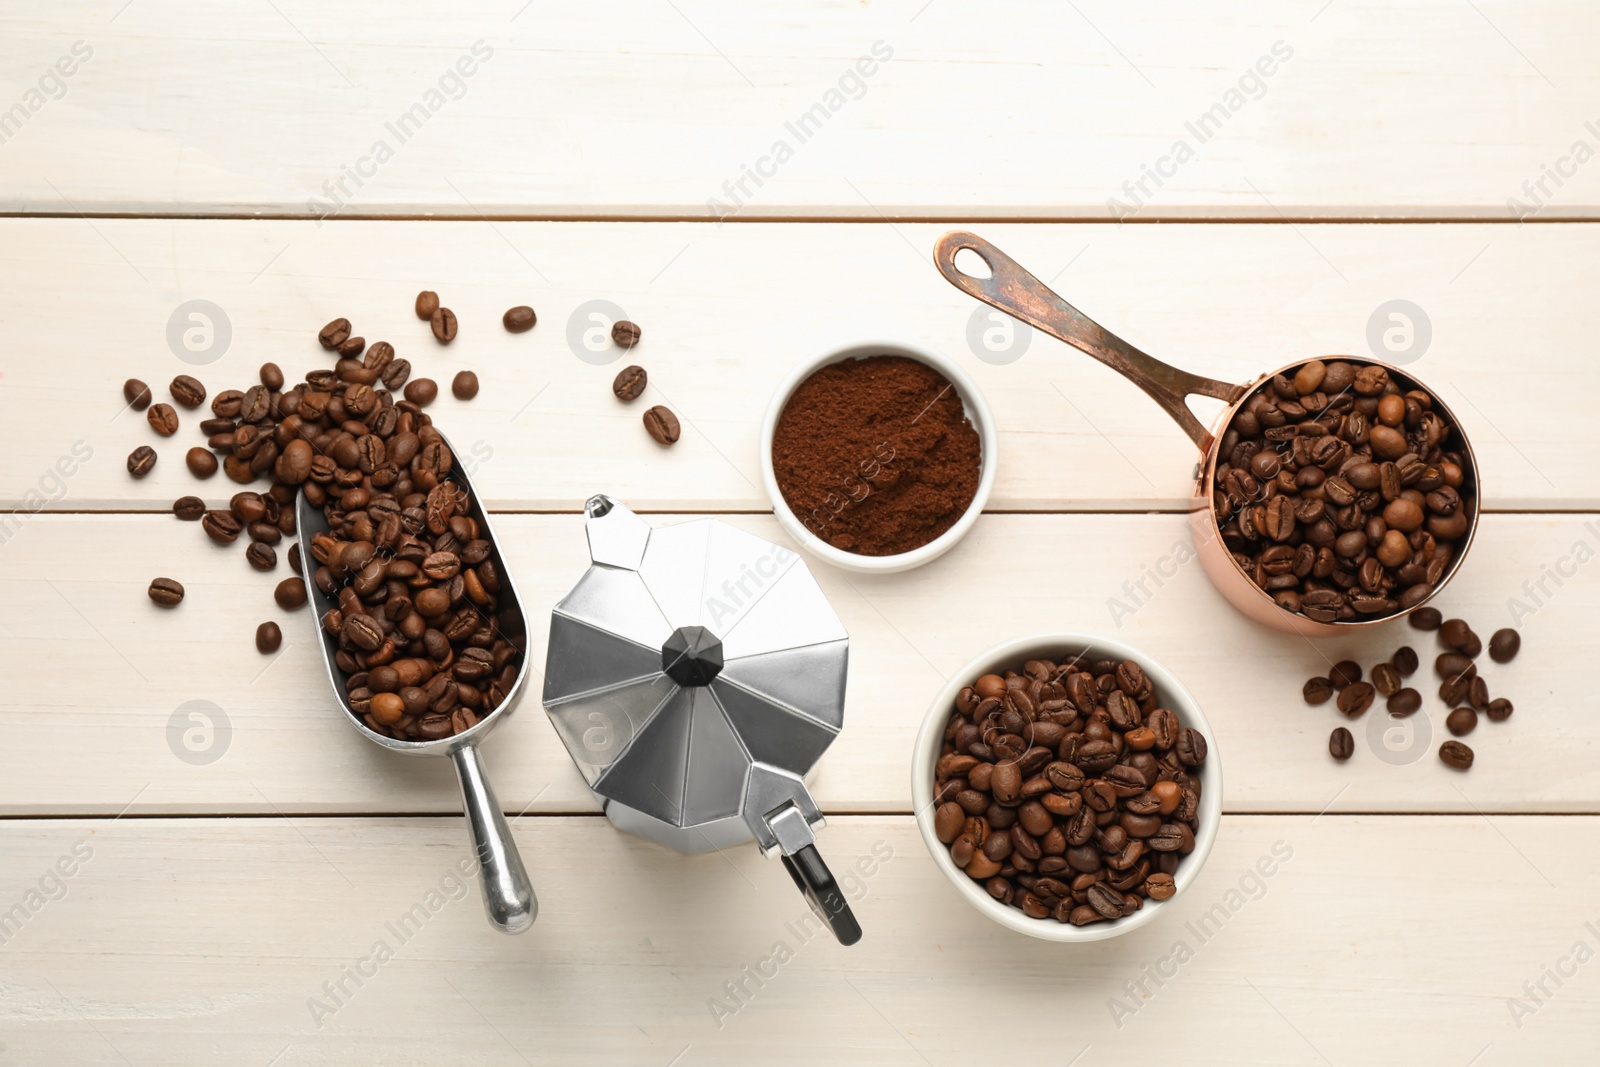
(1461,721)
(1456,755)
(1067,790)
(396,374)
(221,527)
(629,383)
(1504,645)
(1386,679)
(422,391)
(465,385)
(334,334)
(1355,699)
(271,376)
(1345,672)
(427,304)
(165,592)
(624,333)
(163,420)
(290,593)
(519,319)
(187,391)
(1405,660)
(1426,619)
(1317,690)
(261,556)
(1499,709)
(136,393)
(1404,702)
(189,508)
(202,462)
(1341,745)
(141,460)
(443,323)
(294,558)
(269,637)
(662,425)
(1453,633)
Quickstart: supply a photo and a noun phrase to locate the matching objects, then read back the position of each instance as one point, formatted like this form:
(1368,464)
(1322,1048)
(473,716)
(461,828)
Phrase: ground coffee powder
(876,456)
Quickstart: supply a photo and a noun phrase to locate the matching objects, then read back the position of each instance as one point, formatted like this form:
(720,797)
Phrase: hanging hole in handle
(971,263)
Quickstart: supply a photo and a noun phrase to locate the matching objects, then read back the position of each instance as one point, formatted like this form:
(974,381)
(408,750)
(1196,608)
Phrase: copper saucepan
(1018,293)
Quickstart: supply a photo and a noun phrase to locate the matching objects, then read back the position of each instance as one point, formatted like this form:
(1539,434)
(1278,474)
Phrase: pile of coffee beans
(1068,790)
(1461,687)
(1343,491)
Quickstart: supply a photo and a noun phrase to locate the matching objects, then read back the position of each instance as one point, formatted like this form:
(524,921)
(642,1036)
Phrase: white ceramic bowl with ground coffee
(977,412)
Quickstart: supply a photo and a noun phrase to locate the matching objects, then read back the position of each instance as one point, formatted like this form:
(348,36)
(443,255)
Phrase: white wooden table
(290,162)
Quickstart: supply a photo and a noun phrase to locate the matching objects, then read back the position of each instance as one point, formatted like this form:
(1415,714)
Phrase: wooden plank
(727,312)
(1358,109)
(97,676)
(193,940)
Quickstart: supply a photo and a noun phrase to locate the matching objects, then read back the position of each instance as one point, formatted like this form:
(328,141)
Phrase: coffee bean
(187,391)
(1504,645)
(141,460)
(629,383)
(221,527)
(163,420)
(261,556)
(136,394)
(1426,619)
(1456,755)
(290,593)
(271,376)
(165,592)
(1461,721)
(334,334)
(189,508)
(1404,702)
(202,462)
(443,323)
(1499,709)
(662,425)
(268,638)
(1355,699)
(294,559)
(363,631)
(1453,633)
(1453,665)
(624,333)
(1345,672)
(1386,679)
(1160,886)
(396,373)
(519,319)
(1478,694)
(1317,690)
(422,391)
(1341,745)
(1405,660)
(464,385)
(427,304)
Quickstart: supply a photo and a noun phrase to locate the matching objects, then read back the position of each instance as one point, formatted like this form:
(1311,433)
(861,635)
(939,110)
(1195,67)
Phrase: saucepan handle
(1018,293)
(822,892)
(507,895)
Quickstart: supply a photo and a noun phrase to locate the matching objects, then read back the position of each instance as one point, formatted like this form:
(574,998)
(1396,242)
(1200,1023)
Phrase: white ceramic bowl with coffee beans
(1049,796)
(857,477)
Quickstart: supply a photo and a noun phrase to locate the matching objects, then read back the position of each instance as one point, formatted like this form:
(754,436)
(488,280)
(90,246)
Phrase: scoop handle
(1019,294)
(507,895)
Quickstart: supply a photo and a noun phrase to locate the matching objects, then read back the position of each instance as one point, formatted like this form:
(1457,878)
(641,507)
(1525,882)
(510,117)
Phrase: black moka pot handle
(822,892)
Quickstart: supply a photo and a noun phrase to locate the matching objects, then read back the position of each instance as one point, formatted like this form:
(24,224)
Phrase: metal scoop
(507,896)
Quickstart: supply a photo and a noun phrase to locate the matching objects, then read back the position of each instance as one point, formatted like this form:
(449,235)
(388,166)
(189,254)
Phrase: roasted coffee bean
(165,592)
(334,334)
(1426,619)
(1455,754)
(1405,660)
(261,556)
(271,376)
(624,333)
(1355,699)
(422,391)
(1160,886)
(464,386)
(1499,709)
(1455,633)
(1461,721)
(662,425)
(163,420)
(1456,689)
(1345,673)
(1386,679)
(629,383)
(1478,694)
(1504,645)
(1453,665)
(427,304)
(268,638)
(189,508)
(443,323)
(519,319)
(136,394)
(290,593)
(221,527)
(187,391)
(1341,745)
(202,462)
(1404,702)
(141,460)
